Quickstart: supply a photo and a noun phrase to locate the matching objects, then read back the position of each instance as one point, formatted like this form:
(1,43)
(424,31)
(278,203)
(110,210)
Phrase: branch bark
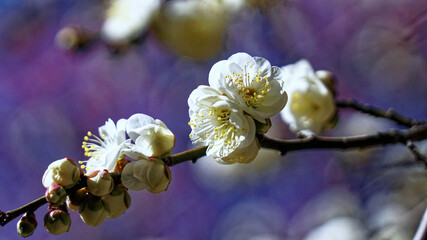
(378,112)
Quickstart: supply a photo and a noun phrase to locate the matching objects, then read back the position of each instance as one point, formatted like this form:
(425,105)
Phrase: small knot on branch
(3,218)
(419,157)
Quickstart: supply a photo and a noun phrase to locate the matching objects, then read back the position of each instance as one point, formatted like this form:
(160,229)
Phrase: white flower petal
(311,105)
(250,82)
(219,123)
(135,122)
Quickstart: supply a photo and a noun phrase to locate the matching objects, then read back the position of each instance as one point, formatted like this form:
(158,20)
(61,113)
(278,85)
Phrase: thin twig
(421,233)
(378,112)
(415,133)
(416,152)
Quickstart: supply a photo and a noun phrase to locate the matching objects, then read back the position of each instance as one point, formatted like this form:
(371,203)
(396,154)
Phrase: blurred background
(50,98)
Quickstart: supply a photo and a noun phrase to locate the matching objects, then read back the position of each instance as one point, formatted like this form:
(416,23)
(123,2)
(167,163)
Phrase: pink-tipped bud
(101,183)
(56,195)
(75,199)
(57,222)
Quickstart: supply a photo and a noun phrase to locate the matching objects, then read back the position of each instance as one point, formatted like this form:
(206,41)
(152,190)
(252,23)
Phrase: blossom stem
(189,155)
(378,112)
(6,217)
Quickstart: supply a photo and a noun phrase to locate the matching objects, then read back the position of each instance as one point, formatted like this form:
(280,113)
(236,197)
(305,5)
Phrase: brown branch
(30,207)
(377,112)
(415,133)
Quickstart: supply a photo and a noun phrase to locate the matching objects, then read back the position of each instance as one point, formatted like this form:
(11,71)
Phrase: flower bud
(118,201)
(64,172)
(57,222)
(262,128)
(152,174)
(101,183)
(94,211)
(75,199)
(73,37)
(27,224)
(328,79)
(56,194)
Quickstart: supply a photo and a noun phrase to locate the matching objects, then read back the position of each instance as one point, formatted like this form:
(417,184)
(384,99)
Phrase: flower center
(304,104)
(252,89)
(214,124)
(92,146)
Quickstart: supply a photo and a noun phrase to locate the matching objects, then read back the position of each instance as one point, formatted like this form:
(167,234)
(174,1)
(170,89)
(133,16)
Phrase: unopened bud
(56,194)
(94,211)
(73,37)
(57,222)
(262,128)
(328,79)
(100,183)
(151,174)
(118,201)
(27,224)
(64,172)
(75,199)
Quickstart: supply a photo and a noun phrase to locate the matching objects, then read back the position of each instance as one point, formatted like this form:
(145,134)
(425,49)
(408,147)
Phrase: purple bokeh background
(49,99)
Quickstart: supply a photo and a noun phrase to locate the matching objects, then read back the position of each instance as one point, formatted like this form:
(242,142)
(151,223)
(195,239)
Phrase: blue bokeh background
(49,99)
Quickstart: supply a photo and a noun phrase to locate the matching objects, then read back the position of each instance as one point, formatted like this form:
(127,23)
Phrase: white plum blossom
(252,83)
(126,20)
(193,28)
(220,123)
(151,174)
(106,150)
(311,104)
(152,138)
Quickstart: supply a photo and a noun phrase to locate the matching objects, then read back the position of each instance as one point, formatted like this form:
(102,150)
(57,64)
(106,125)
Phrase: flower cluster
(244,93)
(126,155)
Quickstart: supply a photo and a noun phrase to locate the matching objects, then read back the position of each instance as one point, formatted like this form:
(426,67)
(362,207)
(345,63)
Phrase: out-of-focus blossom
(252,83)
(219,123)
(311,104)
(254,219)
(106,150)
(118,201)
(64,172)
(100,183)
(342,228)
(57,222)
(312,219)
(193,28)
(152,137)
(223,178)
(94,211)
(151,174)
(126,20)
